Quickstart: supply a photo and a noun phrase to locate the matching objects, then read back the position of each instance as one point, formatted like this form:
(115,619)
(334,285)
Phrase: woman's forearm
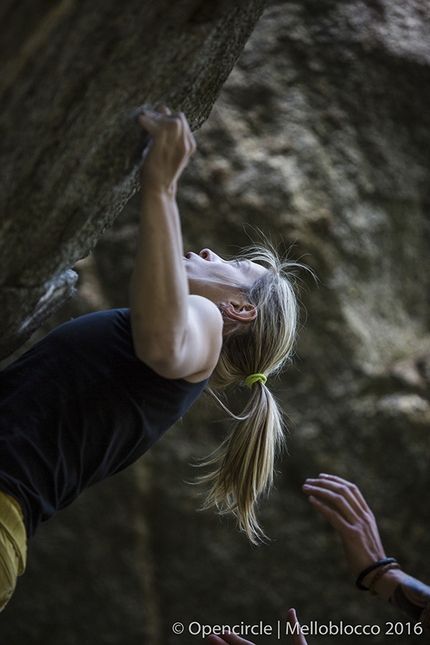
(159,286)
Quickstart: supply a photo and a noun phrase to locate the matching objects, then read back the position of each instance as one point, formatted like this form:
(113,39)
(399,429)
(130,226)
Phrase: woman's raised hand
(171,147)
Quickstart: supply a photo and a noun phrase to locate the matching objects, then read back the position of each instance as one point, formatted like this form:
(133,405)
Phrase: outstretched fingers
(340,495)
(342,504)
(332,501)
(353,490)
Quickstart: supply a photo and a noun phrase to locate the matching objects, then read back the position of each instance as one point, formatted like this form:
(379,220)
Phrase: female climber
(92,396)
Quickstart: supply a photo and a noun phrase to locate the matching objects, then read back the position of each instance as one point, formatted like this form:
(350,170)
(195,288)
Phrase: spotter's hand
(296,637)
(343,505)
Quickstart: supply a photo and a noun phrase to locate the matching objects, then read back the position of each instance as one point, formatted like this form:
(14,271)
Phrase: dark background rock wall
(321,139)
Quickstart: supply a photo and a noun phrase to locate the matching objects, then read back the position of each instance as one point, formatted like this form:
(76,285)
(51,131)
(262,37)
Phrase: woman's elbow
(162,356)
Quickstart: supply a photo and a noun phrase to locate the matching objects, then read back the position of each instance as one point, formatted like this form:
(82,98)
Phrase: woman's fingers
(161,116)
(155,119)
(149,122)
(164,123)
(171,147)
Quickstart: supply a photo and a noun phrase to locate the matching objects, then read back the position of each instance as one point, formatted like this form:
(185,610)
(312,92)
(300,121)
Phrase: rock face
(72,83)
(321,139)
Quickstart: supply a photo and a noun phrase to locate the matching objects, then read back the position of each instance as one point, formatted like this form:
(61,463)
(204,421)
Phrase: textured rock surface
(321,138)
(72,80)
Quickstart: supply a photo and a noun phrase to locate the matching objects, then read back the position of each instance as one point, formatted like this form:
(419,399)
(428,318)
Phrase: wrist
(385,585)
(376,568)
(153,189)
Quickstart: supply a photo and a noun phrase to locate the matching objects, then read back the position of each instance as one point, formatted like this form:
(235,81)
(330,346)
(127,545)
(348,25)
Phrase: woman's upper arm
(198,354)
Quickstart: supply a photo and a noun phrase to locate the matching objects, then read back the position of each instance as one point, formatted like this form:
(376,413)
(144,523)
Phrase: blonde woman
(97,392)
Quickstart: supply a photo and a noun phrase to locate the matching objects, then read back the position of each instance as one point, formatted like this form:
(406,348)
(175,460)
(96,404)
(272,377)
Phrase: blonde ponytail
(244,463)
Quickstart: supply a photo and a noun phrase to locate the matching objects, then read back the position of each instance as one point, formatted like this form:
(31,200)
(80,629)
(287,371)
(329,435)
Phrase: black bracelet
(375,565)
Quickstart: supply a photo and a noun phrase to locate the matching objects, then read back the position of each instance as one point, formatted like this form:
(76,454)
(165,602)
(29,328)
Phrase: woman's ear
(242,312)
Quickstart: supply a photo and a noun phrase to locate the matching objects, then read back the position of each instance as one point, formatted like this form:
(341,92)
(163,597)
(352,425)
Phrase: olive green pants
(13,546)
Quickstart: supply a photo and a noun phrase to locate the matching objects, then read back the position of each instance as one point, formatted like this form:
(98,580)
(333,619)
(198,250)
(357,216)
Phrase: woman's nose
(208,255)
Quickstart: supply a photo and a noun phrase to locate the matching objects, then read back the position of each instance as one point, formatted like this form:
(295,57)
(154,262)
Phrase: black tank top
(78,407)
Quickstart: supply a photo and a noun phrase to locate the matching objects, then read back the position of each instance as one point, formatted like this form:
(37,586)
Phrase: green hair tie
(254,378)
